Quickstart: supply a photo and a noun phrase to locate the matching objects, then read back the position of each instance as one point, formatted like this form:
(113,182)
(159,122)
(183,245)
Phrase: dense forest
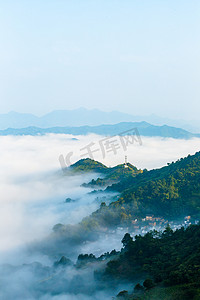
(171,192)
(163,260)
(158,263)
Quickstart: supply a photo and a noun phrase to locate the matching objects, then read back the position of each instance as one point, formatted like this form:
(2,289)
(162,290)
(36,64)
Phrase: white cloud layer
(33,188)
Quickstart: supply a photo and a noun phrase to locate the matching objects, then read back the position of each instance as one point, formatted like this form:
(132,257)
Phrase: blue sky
(136,56)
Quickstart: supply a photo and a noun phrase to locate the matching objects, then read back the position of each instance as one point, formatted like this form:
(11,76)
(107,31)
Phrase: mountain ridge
(94,117)
(144,129)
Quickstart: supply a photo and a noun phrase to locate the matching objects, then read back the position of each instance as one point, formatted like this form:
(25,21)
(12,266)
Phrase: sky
(135,56)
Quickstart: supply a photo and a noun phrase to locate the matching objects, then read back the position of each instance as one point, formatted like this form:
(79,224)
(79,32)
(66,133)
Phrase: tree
(168,231)
(103,204)
(148,283)
(126,241)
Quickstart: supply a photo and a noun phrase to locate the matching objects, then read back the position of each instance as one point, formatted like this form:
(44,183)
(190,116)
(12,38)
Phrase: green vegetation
(170,192)
(170,262)
(114,175)
(178,292)
(109,175)
(160,265)
(88,165)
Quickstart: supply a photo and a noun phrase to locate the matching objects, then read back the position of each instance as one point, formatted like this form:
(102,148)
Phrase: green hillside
(88,165)
(114,175)
(171,192)
(168,263)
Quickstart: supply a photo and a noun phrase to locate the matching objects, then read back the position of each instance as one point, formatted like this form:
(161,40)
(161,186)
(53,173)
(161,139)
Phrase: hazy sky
(136,56)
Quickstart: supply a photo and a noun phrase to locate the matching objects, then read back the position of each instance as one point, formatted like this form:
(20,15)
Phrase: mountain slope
(88,165)
(171,192)
(166,259)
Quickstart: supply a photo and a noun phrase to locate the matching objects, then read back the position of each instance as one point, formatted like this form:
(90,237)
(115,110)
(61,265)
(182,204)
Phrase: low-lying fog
(33,189)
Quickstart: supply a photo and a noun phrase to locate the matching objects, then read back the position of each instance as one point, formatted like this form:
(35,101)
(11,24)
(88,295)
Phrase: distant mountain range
(83,116)
(144,129)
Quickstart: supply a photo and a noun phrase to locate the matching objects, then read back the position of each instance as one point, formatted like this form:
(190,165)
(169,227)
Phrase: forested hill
(170,262)
(170,192)
(88,165)
(109,175)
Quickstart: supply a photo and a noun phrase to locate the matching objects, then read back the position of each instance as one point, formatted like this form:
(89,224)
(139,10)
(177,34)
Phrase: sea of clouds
(33,189)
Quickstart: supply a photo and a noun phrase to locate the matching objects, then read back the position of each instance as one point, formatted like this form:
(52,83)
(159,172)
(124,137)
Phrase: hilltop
(86,165)
(109,175)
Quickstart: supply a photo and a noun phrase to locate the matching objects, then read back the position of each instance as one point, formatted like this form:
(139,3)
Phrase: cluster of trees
(85,259)
(168,258)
